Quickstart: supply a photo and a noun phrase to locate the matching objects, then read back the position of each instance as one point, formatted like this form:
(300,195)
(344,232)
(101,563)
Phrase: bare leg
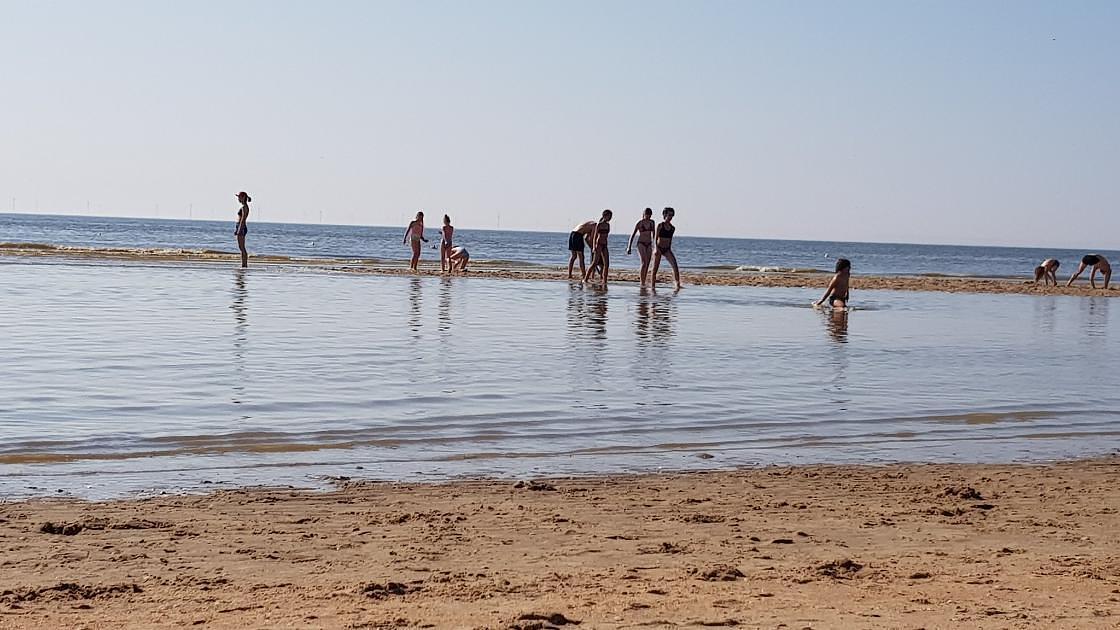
(676,270)
(415,255)
(572,264)
(656,264)
(605,258)
(1075,275)
(1093,277)
(590,270)
(1107,277)
(244,252)
(644,255)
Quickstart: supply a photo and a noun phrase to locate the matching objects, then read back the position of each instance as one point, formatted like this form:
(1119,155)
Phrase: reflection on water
(240,310)
(837,324)
(444,316)
(655,325)
(1045,311)
(1096,316)
(415,306)
(836,354)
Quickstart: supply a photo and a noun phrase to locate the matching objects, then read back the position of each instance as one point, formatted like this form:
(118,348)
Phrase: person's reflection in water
(836,323)
(587,331)
(239,306)
(1045,310)
(415,304)
(444,326)
(1096,312)
(655,327)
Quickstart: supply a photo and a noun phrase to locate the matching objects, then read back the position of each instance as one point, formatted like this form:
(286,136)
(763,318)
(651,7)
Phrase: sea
(310,242)
(134,377)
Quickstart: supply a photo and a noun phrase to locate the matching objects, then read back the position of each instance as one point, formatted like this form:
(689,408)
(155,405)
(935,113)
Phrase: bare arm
(407,231)
(630,243)
(828,291)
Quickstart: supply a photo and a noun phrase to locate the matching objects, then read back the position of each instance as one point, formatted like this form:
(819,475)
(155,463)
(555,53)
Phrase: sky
(942,121)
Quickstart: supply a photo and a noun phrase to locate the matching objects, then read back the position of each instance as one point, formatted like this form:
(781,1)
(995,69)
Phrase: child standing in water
(644,231)
(243,226)
(412,236)
(600,255)
(663,238)
(837,292)
(445,245)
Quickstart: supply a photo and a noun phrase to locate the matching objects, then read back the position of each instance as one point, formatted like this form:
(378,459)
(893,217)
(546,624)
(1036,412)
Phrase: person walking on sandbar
(663,242)
(643,229)
(243,226)
(1097,263)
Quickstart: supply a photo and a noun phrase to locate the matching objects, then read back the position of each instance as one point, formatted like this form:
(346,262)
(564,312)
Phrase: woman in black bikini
(242,226)
(663,237)
(600,255)
(1097,263)
(644,231)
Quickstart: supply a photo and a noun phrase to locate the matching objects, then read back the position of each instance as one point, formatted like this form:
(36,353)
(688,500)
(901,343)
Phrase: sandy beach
(899,546)
(514,271)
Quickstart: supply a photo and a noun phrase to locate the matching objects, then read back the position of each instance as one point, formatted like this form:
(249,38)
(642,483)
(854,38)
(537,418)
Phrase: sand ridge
(899,546)
(515,271)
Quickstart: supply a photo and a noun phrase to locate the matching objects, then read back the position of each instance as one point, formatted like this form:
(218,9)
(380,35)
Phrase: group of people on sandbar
(452,257)
(654,241)
(1047,270)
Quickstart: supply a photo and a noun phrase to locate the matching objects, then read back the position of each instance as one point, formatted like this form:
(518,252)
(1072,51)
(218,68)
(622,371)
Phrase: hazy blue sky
(953,122)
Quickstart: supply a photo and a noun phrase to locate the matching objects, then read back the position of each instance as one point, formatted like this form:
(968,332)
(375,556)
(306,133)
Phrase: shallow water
(123,378)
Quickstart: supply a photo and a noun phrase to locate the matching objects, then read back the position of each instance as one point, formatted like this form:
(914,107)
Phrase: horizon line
(530,231)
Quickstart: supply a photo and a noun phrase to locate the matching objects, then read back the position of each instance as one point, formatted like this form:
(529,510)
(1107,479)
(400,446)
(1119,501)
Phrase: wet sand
(508,270)
(900,546)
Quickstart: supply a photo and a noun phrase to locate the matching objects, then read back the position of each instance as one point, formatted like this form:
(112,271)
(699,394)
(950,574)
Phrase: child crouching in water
(837,292)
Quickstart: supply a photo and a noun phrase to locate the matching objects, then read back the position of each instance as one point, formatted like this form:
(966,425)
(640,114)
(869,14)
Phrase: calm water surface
(122,378)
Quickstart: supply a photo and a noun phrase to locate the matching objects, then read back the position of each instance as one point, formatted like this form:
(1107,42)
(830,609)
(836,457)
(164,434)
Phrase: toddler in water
(445,245)
(837,292)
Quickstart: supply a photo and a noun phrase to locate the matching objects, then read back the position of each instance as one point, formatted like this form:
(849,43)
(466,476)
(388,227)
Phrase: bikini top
(603,227)
(645,225)
(667,230)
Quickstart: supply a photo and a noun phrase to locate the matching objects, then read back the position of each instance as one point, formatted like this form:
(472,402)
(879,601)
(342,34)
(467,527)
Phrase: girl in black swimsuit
(663,238)
(644,231)
(599,253)
(243,226)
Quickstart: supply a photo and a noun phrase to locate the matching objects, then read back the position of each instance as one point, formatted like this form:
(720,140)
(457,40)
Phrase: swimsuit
(833,299)
(575,242)
(603,229)
(667,230)
(243,228)
(1091,260)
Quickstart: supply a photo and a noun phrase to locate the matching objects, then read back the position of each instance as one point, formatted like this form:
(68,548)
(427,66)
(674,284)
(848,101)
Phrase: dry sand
(726,277)
(901,546)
